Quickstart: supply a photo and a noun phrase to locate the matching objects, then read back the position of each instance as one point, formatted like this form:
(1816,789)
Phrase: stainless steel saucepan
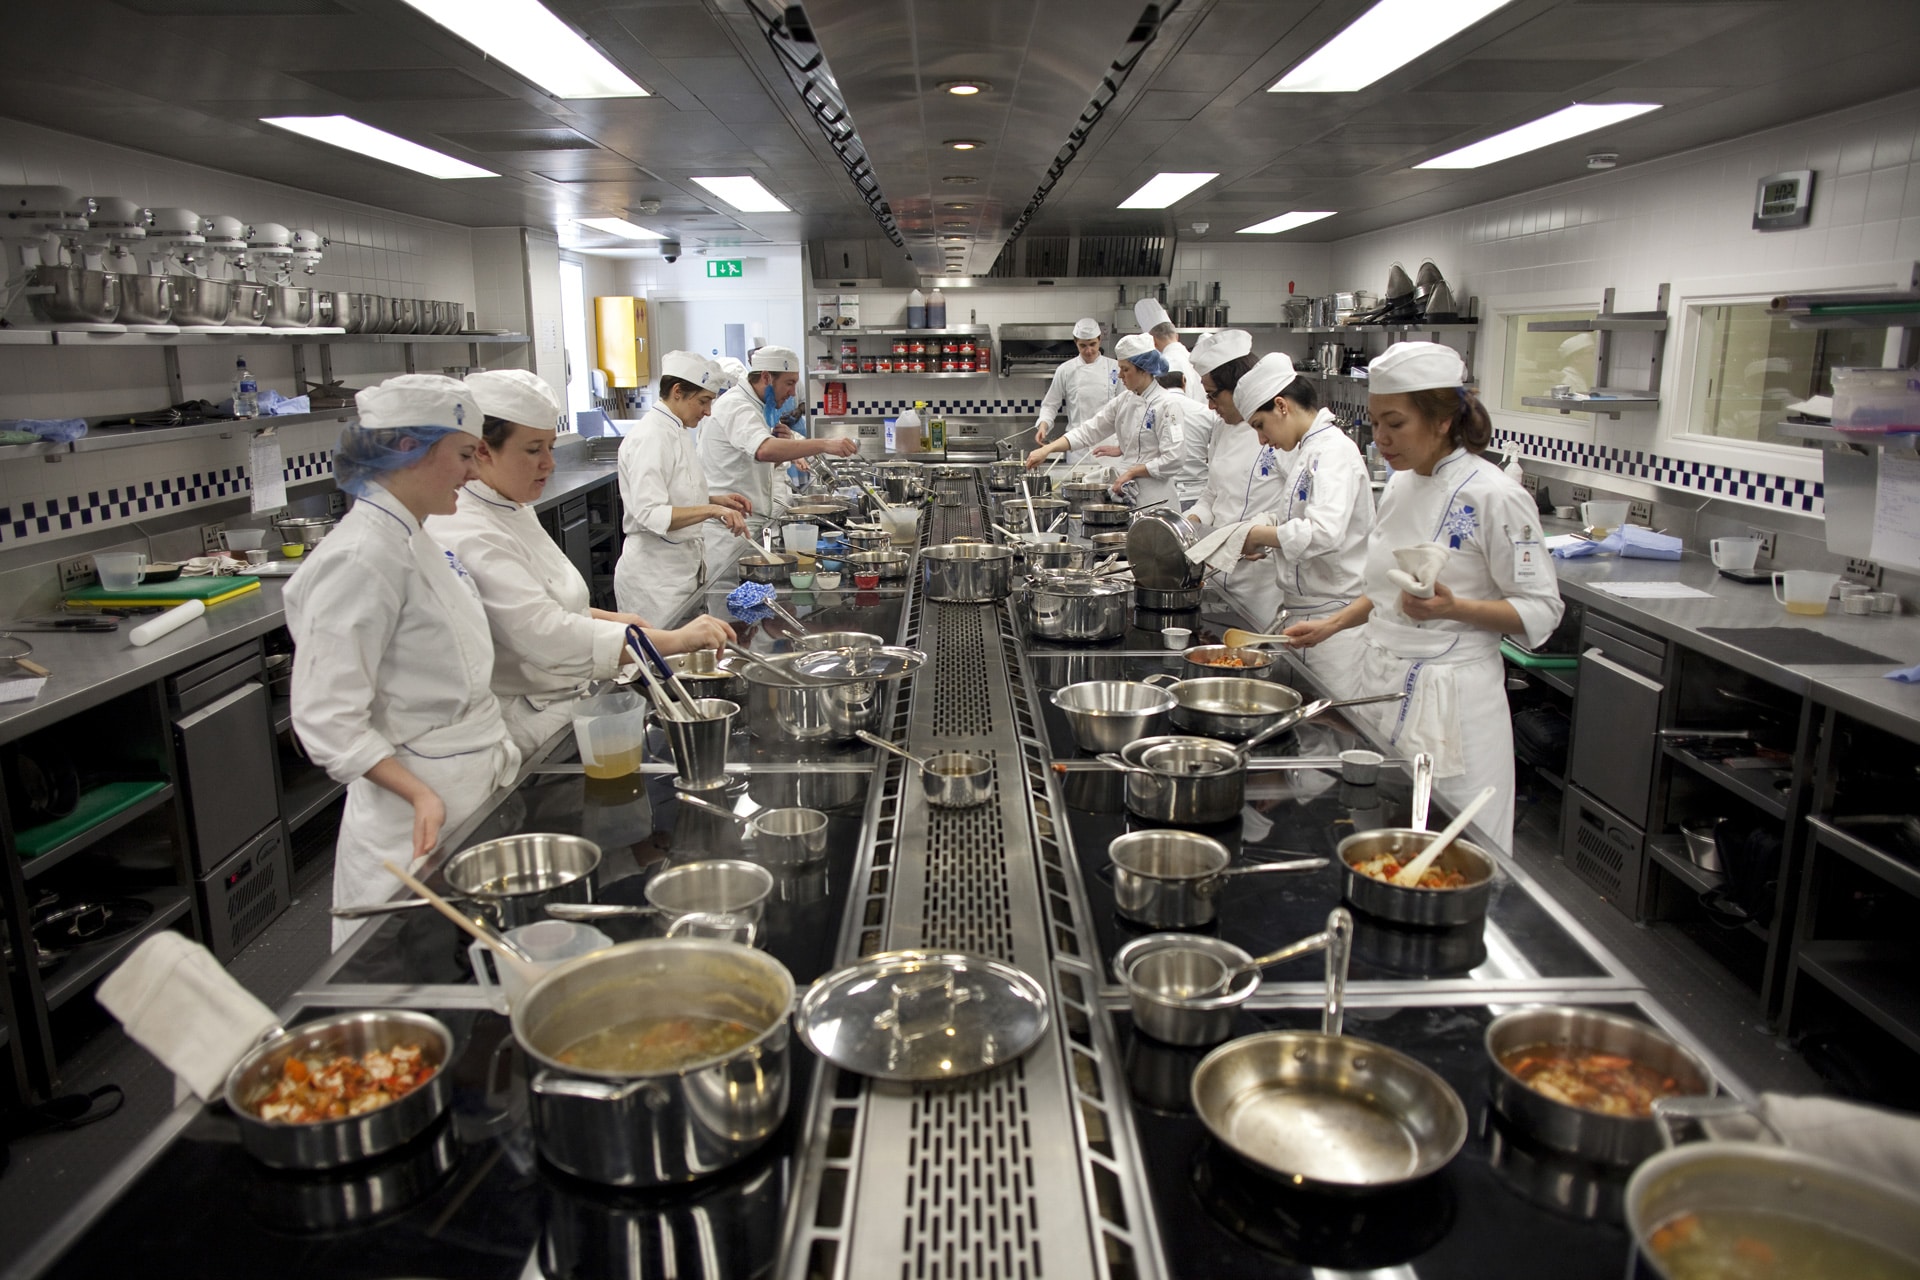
(512,880)
(951,779)
(1171,879)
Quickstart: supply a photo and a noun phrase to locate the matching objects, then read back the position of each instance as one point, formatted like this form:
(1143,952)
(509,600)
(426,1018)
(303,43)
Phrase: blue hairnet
(361,454)
(1150,362)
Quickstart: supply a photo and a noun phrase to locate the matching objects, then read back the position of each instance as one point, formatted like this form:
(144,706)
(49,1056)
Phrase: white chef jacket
(660,570)
(546,642)
(392,658)
(1082,389)
(1147,429)
(1325,515)
(1245,479)
(1197,425)
(1180,360)
(1457,706)
(729,439)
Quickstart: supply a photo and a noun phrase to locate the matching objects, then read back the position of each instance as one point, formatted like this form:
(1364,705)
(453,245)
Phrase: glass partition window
(1748,367)
(1539,362)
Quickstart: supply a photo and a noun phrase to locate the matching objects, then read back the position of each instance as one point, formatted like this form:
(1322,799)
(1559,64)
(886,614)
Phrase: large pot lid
(923,1015)
(1157,543)
(840,665)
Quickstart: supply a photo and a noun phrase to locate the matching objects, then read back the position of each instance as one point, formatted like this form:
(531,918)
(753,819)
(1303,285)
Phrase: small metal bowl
(957,779)
(1160,969)
(768,569)
(327,1144)
(1430,908)
(727,886)
(892,566)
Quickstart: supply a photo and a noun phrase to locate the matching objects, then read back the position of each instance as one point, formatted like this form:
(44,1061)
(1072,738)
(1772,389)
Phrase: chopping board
(208,590)
(1793,646)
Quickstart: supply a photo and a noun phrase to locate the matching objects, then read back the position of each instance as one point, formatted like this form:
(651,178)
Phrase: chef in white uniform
(548,640)
(1245,478)
(1196,439)
(664,491)
(1144,430)
(1080,387)
(1455,562)
(393,666)
(1156,324)
(1319,533)
(743,445)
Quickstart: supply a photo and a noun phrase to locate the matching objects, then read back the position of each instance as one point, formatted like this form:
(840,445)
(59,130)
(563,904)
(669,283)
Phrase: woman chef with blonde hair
(548,640)
(1455,562)
(393,666)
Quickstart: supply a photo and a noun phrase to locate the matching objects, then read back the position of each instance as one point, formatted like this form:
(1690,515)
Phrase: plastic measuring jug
(609,731)
(548,943)
(1602,518)
(1737,554)
(1806,591)
(800,537)
(119,570)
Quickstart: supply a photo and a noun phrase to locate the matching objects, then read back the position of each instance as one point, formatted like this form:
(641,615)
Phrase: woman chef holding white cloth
(393,666)
(1455,562)
(1146,431)
(1244,474)
(548,641)
(663,488)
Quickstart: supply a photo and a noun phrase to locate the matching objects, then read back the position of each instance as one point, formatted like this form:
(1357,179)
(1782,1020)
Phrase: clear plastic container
(1876,399)
(610,731)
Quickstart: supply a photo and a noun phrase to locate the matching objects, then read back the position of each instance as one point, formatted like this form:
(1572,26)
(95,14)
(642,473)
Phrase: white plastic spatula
(1410,874)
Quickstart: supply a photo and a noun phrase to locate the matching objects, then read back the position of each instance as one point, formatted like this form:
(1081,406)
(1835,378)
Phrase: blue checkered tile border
(972,408)
(1808,496)
(50,517)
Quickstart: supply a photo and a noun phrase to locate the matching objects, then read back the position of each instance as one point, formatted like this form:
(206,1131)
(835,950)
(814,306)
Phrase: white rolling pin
(172,620)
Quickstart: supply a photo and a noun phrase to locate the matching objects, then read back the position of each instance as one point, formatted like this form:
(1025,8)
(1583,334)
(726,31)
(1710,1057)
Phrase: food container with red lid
(883,365)
(966,347)
(917,347)
(868,365)
(900,347)
(849,366)
(849,347)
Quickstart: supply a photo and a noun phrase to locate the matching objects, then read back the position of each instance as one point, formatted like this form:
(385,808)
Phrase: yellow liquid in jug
(1802,606)
(616,764)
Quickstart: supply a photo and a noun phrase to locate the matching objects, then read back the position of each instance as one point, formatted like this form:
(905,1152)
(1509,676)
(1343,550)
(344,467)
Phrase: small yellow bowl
(293,550)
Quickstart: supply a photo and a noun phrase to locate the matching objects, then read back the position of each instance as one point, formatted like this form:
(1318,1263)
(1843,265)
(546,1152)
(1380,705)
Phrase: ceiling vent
(1105,258)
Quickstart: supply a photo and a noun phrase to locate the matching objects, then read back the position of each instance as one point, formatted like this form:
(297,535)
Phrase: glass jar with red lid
(869,365)
(900,347)
(917,348)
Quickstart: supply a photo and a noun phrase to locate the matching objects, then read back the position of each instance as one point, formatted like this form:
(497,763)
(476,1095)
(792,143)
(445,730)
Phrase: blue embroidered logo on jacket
(1266,460)
(453,561)
(1460,523)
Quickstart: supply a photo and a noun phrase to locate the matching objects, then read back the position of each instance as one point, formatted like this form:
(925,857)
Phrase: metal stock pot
(647,1128)
(967,573)
(1082,609)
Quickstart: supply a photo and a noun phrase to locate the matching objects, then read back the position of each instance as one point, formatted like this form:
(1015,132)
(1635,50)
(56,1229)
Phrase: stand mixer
(176,239)
(42,229)
(227,260)
(273,253)
(116,241)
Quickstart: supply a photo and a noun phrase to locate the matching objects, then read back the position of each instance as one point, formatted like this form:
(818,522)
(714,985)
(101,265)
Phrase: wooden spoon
(504,952)
(1235,638)
(1410,874)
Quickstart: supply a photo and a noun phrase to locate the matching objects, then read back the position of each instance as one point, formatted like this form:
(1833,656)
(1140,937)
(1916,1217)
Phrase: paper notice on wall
(1896,511)
(268,470)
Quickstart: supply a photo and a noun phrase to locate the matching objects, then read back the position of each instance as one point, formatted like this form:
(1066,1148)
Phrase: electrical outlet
(210,541)
(1581,493)
(336,503)
(1642,512)
(1865,571)
(1766,541)
(1531,483)
(77,572)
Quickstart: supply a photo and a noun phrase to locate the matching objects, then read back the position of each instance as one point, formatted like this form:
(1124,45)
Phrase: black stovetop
(469,1199)
(1504,1207)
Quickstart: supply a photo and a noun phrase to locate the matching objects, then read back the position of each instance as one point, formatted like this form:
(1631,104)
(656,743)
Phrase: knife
(63,624)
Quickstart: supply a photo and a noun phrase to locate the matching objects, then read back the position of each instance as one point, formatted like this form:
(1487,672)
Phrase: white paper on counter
(1652,590)
(1896,511)
(268,469)
(1556,540)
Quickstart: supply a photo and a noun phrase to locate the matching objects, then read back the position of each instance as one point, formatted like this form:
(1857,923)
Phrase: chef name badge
(1529,557)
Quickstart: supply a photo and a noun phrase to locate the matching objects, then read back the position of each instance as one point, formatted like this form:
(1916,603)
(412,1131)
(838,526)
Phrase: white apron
(660,571)
(1324,517)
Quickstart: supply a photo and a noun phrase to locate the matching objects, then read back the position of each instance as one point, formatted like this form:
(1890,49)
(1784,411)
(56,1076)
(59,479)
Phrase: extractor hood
(1108,258)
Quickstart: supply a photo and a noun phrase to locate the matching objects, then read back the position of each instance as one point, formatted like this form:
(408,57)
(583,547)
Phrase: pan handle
(1339,952)
(597,911)
(1158,676)
(1290,864)
(1721,1117)
(1422,790)
(688,798)
(1113,760)
(366,909)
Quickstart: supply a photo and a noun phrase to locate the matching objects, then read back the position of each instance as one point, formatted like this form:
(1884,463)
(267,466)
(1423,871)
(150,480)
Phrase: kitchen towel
(1224,547)
(1628,541)
(182,1006)
(1882,1144)
(1420,566)
(1906,675)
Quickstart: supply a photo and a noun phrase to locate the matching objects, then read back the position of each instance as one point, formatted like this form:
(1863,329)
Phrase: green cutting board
(179,591)
(95,807)
(1538,661)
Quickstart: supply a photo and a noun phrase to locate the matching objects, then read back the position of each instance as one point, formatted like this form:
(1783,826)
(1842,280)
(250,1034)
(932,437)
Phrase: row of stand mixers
(105,262)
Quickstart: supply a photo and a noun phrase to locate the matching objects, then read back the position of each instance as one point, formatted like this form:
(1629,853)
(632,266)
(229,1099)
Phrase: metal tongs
(667,679)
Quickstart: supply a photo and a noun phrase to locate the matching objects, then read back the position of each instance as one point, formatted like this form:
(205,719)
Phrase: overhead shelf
(1434,327)
(1612,322)
(1611,405)
(1883,310)
(855,377)
(1871,437)
(947,331)
(211,337)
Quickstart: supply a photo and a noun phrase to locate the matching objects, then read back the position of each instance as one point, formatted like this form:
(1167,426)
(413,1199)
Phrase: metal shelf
(1610,322)
(85,840)
(212,337)
(1862,310)
(1836,839)
(1771,805)
(305,795)
(1438,327)
(948,331)
(1873,978)
(134,437)
(852,377)
(1871,437)
(92,960)
(11,337)
(1612,406)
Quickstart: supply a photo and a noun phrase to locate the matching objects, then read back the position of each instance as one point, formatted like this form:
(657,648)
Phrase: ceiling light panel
(1568,122)
(1286,222)
(1381,41)
(621,227)
(526,36)
(356,135)
(745,194)
(1164,189)
(963,144)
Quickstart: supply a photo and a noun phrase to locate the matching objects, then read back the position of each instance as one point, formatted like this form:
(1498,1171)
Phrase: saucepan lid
(923,1015)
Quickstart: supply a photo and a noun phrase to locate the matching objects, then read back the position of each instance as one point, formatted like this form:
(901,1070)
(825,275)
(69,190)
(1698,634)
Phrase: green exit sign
(726,268)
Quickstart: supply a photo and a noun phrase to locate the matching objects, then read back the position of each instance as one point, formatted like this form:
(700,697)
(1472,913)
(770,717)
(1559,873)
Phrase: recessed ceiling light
(745,194)
(1568,122)
(356,135)
(965,88)
(957,222)
(963,144)
(526,36)
(958,205)
(959,180)
(1164,188)
(621,227)
(1285,222)
(1380,41)
(954,240)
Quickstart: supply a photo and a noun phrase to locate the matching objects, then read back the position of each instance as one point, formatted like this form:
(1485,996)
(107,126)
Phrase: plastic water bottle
(246,392)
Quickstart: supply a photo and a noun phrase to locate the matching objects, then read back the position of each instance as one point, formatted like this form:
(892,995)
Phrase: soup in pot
(1738,1244)
(647,1046)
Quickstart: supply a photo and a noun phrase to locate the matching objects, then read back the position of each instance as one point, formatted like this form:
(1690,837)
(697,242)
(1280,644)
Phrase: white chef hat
(517,395)
(1415,366)
(1271,375)
(1132,345)
(1148,312)
(1215,349)
(735,370)
(1086,329)
(697,369)
(774,360)
(418,400)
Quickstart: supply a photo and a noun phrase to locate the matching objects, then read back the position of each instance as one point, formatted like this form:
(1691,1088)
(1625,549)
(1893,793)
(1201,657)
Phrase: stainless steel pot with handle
(1428,908)
(657,1123)
(511,880)
(1157,543)
(1171,879)
(1083,610)
(967,573)
(1078,493)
